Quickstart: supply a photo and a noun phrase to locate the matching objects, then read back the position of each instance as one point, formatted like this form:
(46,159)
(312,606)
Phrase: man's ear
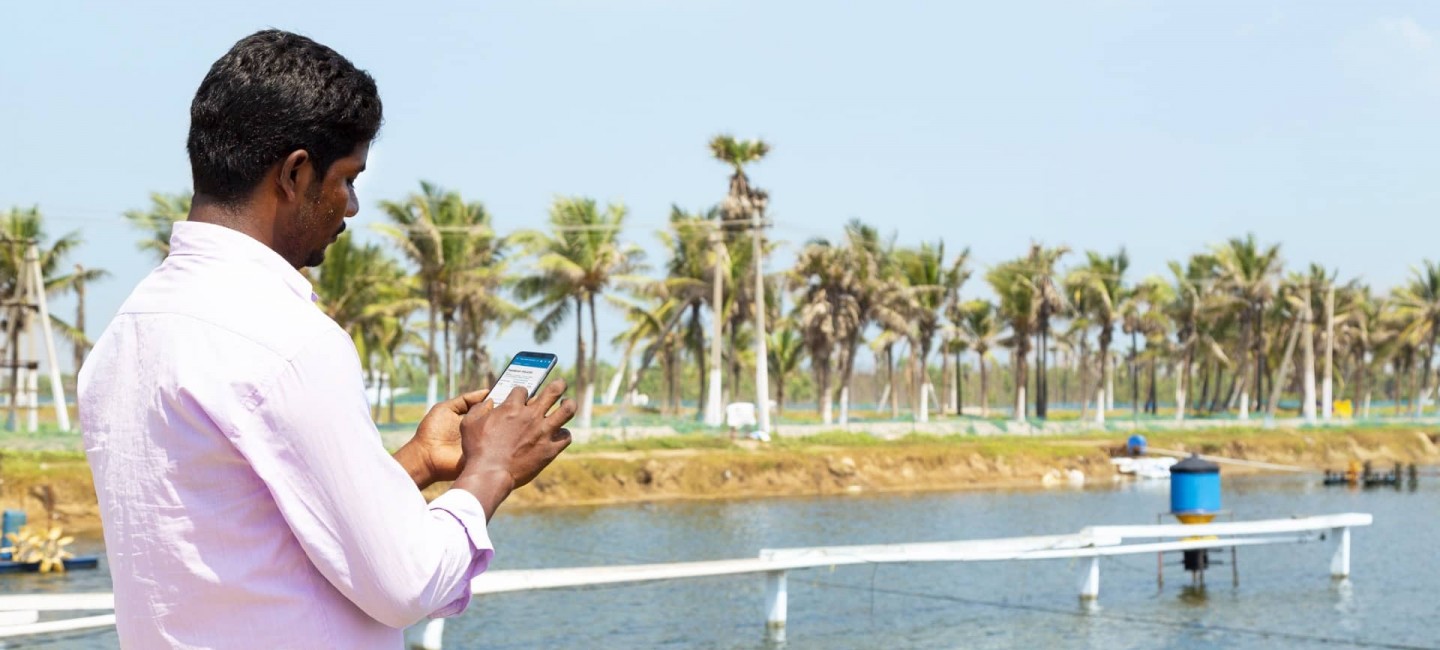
(297,172)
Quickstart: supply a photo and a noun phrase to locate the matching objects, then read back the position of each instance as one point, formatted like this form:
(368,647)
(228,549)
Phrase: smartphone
(527,369)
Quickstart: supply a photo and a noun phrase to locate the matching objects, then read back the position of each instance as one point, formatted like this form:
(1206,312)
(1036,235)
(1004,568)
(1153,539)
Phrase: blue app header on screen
(531,361)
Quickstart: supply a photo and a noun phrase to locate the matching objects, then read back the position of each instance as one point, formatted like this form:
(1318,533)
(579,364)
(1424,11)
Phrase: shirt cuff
(466,510)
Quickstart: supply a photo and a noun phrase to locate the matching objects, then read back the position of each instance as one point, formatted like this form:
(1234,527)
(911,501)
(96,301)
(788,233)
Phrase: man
(246,498)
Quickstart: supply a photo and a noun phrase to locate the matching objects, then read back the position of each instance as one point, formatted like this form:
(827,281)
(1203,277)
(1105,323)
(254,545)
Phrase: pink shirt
(246,498)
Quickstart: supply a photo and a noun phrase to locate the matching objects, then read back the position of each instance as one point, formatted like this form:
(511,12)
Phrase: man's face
(328,202)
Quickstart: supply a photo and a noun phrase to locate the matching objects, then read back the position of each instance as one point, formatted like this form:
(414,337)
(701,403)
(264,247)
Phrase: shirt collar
(219,242)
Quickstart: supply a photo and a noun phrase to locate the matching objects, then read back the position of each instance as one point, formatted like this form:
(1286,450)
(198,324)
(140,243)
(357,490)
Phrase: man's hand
(435,454)
(507,446)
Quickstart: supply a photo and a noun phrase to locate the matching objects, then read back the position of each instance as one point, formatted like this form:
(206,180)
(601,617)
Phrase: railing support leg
(426,635)
(776,603)
(1090,579)
(1340,562)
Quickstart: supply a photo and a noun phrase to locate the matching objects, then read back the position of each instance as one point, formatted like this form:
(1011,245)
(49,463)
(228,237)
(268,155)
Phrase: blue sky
(1161,126)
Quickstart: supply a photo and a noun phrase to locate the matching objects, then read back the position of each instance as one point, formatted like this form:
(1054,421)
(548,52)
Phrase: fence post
(776,602)
(1090,579)
(1340,562)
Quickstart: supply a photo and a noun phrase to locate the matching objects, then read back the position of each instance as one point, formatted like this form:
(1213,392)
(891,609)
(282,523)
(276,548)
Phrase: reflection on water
(1285,597)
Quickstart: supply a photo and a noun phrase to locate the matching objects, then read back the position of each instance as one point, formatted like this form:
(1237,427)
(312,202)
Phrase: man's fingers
(550,394)
(562,437)
(461,404)
(518,395)
(562,414)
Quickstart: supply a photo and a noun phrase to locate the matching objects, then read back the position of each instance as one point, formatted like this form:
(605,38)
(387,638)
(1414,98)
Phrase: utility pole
(1307,409)
(762,357)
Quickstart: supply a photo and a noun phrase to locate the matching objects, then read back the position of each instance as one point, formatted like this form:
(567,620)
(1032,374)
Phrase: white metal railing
(19,613)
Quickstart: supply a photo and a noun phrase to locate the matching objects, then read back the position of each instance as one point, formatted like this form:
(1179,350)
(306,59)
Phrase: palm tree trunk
(1107,382)
(82,346)
(892,385)
(946,387)
(580,355)
(959,385)
(1134,375)
(1307,408)
(697,347)
(984,387)
(449,357)
(432,387)
(587,407)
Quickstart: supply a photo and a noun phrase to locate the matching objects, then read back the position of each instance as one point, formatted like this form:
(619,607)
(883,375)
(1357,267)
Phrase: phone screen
(527,369)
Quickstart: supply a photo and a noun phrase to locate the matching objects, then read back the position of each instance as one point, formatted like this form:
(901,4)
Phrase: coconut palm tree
(786,352)
(369,296)
(981,329)
(158,220)
(1247,271)
(952,281)
(1011,282)
(922,274)
(445,239)
(1417,305)
(19,229)
(825,311)
(876,292)
(578,261)
(1049,304)
(1102,281)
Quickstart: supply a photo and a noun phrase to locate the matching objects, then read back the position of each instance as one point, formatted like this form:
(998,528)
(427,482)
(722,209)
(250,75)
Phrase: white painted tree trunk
(1365,411)
(432,390)
(884,395)
(1109,382)
(714,402)
(1020,404)
(1245,404)
(924,414)
(587,406)
(844,406)
(827,414)
(1100,406)
(1179,402)
(614,388)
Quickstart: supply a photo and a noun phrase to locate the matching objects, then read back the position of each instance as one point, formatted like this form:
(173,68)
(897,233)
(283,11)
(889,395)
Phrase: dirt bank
(841,464)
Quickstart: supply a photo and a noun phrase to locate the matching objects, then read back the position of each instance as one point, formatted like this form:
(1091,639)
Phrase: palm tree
(1011,281)
(951,282)
(1049,303)
(876,293)
(981,330)
(1417,305)
(1102,280)
(578,261)
(1248,271)
(786,352)
(922,273)
(1192,307)
(446,239)
(825,311)
(19,230)
(158,221)
(369,296)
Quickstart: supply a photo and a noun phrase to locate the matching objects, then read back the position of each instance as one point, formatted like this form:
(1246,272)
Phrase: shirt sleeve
(354,510)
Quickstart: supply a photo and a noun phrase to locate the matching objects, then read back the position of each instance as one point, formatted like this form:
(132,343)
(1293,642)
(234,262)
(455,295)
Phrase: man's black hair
(276,92)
